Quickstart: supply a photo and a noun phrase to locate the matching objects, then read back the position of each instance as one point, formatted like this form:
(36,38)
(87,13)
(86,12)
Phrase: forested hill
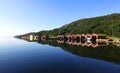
(109,25)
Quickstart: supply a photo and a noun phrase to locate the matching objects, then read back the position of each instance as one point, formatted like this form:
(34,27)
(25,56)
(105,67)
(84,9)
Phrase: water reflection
(102,51)
(20,56)
(110,53)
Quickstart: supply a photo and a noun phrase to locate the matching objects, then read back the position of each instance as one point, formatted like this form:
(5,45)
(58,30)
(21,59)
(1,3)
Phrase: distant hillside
(109,25)
(31,33)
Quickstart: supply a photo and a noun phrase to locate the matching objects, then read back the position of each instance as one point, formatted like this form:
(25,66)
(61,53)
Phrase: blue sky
(22,16)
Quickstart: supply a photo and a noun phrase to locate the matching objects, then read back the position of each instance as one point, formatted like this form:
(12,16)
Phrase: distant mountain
(109,25)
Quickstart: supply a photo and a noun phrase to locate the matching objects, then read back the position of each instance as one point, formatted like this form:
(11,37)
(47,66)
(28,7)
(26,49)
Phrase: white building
(31,37)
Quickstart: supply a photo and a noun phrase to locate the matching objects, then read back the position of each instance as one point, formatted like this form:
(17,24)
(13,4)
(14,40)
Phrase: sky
(23,16)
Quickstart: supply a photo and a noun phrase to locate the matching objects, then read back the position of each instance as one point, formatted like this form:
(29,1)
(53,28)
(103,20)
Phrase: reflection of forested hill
(107,53)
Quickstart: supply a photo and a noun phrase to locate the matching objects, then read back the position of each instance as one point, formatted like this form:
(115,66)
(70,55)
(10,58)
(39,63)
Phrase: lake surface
(19,56)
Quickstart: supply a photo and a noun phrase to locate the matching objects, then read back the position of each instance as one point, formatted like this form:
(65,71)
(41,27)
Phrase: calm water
(19,56)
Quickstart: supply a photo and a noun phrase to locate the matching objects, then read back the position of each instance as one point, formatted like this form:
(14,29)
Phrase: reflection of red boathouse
(60,38)
(83,39)
(78,39)
(73,39)
(25,37)
(94,40)
(69,39)
(36,38)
